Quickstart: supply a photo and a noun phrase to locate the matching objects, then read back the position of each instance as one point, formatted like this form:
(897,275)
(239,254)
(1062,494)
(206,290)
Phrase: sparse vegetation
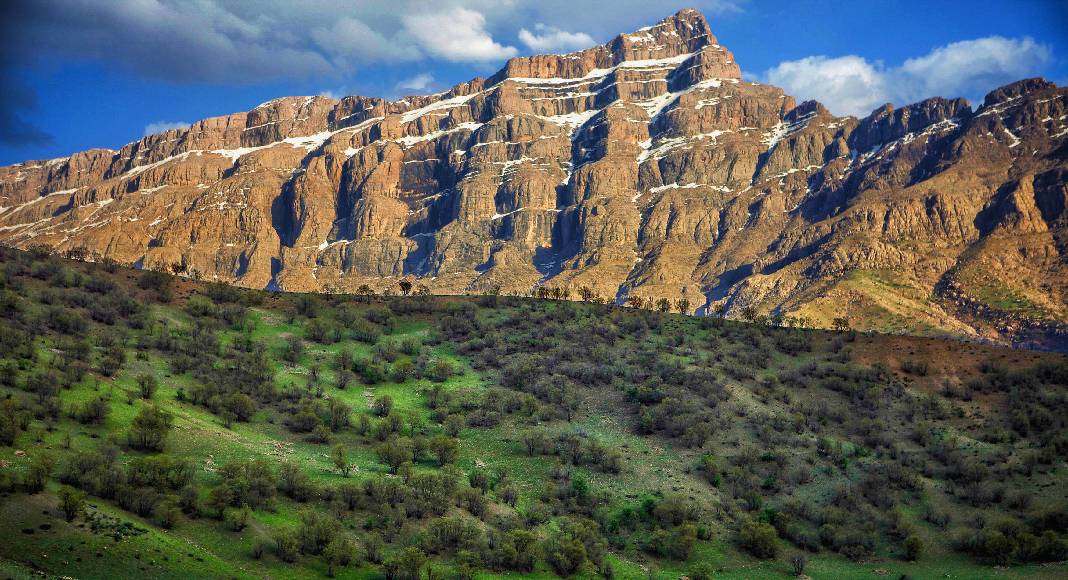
(419,436)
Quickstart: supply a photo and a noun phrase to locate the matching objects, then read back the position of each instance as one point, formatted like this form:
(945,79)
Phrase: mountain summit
(644,168)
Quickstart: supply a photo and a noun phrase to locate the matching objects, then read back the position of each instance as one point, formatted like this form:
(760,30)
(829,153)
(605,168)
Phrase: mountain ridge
(645,167)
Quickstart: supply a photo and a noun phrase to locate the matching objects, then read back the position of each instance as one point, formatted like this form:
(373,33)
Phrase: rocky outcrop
(643,167)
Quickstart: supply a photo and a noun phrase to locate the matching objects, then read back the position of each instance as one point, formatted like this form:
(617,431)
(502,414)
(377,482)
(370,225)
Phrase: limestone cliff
(644,167)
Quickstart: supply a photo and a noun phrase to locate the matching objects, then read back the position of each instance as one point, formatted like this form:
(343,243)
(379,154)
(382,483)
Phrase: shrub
(382,405)
(150,429)
(294,349)
(913,548)
(72,502)
(759,539)
(236,519)
(315,532)
(394,453)
(565,555)
(37,473)
(405,565)
(167,514)
(703,571)
(439,371)
(454,424)
(402,370)
(445,449)
(676,544)
(93,412)
(285,545)
(339,552)
(147,385)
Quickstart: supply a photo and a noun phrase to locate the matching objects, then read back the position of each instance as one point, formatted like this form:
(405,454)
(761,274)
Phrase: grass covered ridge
(156,427)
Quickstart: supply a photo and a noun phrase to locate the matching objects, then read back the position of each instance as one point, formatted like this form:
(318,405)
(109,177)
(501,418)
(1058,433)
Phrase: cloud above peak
(456,34)
(419,82)
(853,85)
(163,126)
(549,38)
(238,41)
(263,41)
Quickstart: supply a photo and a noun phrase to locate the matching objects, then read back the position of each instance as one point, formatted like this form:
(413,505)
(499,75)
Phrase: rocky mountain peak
(685,36)
(685,32)
(1017,89)
(639,169)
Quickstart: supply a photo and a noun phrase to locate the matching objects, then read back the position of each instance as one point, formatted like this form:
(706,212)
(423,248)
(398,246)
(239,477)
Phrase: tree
(570,402)
(316,531)
(446,449)
(294,349)
(798,562)
(748,313)
(338,553)
(240,405)
(72,502)
(405,286)
(394,453)
(382,405)
(150,429)
(147,385)
(237,518)
(439,371)
(406,564)
(586,294)
(678,544)
(759,539)
(913,548)
(534,441)
(402,370)
(454,424)
(285,545)
(703,571)
(840,323)
(564,553)
(663,305)
(682,305)
(167,513)
(37,474)
(93,412)
(341,462)
(635,301)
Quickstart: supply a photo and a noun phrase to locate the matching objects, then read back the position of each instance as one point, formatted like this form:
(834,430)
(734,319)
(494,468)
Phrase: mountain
(643,167)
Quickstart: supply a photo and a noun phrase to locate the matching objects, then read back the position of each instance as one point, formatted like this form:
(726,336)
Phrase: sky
(77,74)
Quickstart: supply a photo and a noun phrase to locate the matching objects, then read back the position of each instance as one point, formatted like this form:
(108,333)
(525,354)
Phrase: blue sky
(99,73)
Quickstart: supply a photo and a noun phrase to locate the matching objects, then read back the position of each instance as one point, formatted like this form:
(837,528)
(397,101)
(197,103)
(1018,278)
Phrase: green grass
(653,466)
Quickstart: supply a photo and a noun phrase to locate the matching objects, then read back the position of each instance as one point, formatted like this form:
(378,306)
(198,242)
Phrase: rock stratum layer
(644,167)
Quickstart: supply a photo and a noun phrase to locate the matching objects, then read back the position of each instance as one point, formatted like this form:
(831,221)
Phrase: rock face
(645,167)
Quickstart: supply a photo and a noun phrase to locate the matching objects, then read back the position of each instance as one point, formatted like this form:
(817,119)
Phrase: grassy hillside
(155,427)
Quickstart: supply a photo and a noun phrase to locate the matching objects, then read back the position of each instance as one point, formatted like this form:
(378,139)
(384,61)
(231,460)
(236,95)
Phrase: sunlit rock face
(644,167)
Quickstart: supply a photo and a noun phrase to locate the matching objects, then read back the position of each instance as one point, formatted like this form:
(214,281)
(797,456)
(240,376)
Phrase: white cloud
(162,126)
(851,85)
(550,38)
(456,34)
(975,66)
(257,41)
(349,40)
(845,85)
(419,82)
